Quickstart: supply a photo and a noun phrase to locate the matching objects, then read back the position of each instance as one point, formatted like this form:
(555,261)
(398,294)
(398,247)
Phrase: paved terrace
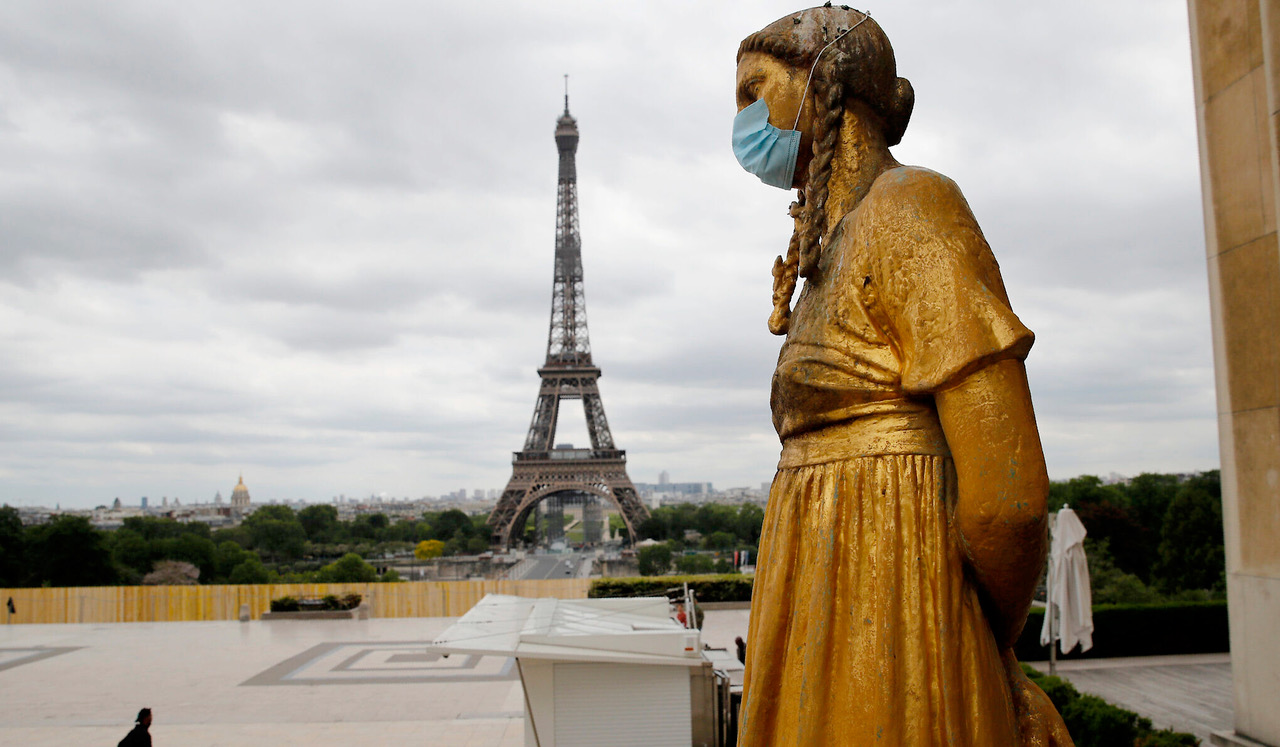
(322,683)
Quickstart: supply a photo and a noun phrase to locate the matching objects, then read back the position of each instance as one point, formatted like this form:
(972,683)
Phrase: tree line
(1153,538)
(273,544)
(698,539)
(720,527)
(1156,537)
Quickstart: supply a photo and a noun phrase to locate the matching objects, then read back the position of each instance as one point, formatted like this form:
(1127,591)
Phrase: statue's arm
(1001,514)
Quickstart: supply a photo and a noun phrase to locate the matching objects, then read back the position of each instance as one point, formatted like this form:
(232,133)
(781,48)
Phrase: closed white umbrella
(1068,615)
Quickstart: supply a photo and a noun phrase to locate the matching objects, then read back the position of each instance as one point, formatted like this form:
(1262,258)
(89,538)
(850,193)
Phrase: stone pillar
(1235,47)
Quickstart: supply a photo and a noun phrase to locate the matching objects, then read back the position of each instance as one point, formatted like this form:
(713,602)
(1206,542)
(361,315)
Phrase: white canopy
(1068,585)
(625,631)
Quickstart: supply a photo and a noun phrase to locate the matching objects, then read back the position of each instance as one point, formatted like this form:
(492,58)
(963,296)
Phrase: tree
(69,551)
(350,568)
(1149,496)
(250,571)
(226,557)
(12,548)
(172,573)
(655,560)
(749,522)
(319,522)
(1191,549)
(1083,491)
(276,531)
(446,525)
(720,541)
(405,530)
(725,565)
(1111,522)
(696,563)
(192,548)
(132,554)
(236,534)
(428,549)
(273,511)
(1110,585)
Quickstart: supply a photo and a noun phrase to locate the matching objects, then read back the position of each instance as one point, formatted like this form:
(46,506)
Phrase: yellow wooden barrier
(118,604)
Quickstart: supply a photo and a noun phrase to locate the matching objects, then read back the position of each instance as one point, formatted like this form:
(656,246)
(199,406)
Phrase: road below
(554,566)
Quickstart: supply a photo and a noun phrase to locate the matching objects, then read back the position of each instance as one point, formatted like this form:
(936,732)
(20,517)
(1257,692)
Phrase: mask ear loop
(816,60)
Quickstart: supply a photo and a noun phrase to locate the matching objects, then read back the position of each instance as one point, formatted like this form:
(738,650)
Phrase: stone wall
(1235,48)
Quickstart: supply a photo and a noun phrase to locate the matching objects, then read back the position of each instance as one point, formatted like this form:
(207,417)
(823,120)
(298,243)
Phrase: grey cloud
(316,239)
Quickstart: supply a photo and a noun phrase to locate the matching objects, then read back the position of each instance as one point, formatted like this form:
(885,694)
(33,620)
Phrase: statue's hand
(1039,723)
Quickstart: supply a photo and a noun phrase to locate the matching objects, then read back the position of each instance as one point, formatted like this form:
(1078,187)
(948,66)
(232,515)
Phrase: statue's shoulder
(913,190)
(912,213)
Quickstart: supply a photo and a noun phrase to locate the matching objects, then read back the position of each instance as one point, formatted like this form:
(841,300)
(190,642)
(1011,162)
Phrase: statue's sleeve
(944,302)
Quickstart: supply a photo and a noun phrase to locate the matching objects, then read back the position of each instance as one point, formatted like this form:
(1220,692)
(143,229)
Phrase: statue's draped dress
(865,627)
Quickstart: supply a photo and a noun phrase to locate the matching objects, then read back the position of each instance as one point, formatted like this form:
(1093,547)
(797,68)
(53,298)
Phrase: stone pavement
(315,683)
(369,682)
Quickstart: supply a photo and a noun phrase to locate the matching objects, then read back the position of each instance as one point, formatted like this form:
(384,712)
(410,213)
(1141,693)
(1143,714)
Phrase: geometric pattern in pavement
(382,663)
(16,657)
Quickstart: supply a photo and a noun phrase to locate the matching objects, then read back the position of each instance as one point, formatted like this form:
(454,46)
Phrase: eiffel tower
(540,470)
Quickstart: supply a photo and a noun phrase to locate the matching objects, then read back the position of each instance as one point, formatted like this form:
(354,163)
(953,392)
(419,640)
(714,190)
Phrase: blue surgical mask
(763,149)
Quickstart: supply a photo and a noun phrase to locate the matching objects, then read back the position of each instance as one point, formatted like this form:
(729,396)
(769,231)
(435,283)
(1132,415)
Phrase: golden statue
(906,526)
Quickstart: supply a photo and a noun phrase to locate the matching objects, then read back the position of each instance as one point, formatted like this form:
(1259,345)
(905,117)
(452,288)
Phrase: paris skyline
(314,244)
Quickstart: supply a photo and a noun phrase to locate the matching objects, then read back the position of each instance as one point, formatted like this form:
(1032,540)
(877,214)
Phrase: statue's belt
(880,434)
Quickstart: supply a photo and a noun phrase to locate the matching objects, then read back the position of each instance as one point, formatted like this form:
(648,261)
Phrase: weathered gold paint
(906,526)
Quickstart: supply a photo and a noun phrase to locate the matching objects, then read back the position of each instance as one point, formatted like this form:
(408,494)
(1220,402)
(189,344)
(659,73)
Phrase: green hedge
(733,587)
(329,602)
(1118,630)
(1093,722)
(1140,630)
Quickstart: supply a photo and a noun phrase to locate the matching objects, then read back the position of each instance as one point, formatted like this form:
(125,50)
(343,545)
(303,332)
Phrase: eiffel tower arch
(540,470)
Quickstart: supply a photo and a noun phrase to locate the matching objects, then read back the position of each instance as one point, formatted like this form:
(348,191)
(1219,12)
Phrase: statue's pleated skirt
(864,627)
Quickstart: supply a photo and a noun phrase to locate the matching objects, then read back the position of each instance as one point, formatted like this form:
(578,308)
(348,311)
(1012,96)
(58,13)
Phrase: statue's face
(761,76)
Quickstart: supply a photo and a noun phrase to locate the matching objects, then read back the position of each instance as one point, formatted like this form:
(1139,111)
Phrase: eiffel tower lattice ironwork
(540,470)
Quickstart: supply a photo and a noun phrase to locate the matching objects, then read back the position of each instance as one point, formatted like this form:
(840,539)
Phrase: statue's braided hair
(859,65)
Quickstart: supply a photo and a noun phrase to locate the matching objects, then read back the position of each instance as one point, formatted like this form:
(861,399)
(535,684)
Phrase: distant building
(116,505)
(664,477)
(144,503)
(240,498)
(217,498)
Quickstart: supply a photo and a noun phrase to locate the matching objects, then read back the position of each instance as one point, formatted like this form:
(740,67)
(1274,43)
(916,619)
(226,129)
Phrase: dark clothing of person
(139,737)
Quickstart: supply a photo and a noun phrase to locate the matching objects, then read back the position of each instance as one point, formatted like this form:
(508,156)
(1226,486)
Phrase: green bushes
(285,604)
(1093,722)
(1140,630)
(350,568)
(325,603)
(726,588)
(654,560)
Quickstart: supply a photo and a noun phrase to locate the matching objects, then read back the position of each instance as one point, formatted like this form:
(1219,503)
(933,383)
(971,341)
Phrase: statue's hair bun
(898,111)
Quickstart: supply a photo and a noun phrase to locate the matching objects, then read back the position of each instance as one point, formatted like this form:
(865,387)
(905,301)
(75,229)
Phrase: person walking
(139,737)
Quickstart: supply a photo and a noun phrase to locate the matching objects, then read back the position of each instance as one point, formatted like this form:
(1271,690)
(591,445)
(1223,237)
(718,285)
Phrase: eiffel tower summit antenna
(540,470)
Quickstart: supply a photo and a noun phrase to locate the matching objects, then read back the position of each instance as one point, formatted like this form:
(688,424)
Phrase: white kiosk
(600,671)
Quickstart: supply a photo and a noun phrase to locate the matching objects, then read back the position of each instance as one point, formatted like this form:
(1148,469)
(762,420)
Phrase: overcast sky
(311,242)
